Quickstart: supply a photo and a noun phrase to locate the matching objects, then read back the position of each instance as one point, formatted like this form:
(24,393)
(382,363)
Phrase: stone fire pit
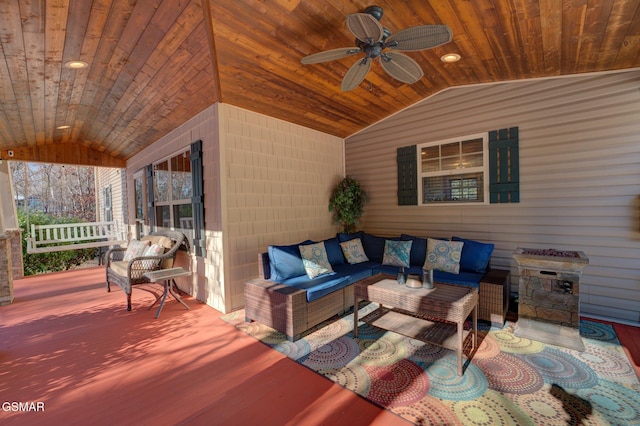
(549,295)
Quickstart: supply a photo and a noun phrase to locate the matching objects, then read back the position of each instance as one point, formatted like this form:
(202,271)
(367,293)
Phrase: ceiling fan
(376,41)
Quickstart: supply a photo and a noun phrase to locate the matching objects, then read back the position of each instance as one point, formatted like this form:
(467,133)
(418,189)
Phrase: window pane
(181,176)
(472,146)
(458,188)
(451,163)
(163,216)
(472,160)
(430,159)
(450,149)
(139,196)
(183,216)
(161,181)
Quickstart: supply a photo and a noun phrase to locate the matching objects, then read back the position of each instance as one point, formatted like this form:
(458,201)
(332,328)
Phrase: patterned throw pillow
(154,250)
(353,251)
(443,255)
(135,248)
(314,259)
(397,253)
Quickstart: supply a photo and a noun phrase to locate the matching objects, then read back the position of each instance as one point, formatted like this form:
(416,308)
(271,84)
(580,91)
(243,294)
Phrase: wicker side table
(447,305)
(495,290)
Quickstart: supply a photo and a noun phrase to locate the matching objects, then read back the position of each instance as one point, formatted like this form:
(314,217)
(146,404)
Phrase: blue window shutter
(197,185)
(407,176)
(504,166)
(150,200)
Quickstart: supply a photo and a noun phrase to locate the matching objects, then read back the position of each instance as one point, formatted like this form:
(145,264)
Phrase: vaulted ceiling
(153,64)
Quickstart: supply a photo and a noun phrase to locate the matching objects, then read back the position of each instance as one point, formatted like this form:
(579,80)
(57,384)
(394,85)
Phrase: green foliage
(50,262)
(347,203)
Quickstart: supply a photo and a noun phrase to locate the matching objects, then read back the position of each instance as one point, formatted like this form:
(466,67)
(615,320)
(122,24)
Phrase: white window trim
(484,169)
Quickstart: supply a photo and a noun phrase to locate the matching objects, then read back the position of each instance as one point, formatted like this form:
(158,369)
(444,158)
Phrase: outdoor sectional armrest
(278,305)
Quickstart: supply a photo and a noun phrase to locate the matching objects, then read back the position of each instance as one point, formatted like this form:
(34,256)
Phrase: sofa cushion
(353,251)
(373,246)
(468,279)
(418,249)
(396,253)
(285,261)
(393,270)
(475,255)
(443,255)
(319,286)
(343,236)
(314,259)
(334,251)
(356,271)
(135,248)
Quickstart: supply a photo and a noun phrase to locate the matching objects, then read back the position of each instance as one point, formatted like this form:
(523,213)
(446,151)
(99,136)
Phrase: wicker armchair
(128,274)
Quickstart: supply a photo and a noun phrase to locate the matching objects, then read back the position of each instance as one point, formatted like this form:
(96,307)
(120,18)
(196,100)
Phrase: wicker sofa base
(286,309)
(493,302)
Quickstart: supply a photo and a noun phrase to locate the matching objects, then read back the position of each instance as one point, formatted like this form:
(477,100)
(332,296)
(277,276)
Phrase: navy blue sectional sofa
(286,299)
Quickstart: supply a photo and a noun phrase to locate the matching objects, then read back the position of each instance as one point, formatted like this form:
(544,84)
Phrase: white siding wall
(277,178)
(111,176)
(579,174)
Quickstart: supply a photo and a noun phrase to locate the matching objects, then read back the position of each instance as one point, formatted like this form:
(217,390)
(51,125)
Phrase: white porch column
(8,233)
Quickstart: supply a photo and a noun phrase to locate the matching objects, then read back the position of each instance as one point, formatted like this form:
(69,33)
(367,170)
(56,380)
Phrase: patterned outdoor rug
(510,380)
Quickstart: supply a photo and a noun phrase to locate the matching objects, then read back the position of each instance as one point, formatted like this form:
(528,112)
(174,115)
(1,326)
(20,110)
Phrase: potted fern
(347,203)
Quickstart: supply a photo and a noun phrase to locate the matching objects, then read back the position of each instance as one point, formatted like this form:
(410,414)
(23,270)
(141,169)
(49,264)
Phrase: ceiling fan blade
(330,55)
(401,67)
(356,74)
(419,38)
(365,27)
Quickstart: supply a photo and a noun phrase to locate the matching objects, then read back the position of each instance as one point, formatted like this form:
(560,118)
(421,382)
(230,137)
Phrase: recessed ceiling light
(63,127)
(450,58)
(75,65)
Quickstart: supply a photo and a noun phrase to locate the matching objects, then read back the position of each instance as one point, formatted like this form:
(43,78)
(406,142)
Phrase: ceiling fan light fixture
(450,58)
(76,65)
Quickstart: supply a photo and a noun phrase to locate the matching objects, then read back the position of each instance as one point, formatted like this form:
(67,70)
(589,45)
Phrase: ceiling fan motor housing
(375,11)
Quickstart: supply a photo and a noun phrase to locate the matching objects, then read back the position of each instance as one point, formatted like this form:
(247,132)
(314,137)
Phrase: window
(107,213)
(453,171)
(172,193)
(140,196)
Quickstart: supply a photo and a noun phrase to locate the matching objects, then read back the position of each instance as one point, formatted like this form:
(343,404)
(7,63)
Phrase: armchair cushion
(135,248)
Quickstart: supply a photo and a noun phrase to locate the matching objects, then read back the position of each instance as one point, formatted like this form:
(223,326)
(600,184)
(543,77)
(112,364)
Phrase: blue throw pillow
(285,261)
(475,255)
(373,246)
(334,251)
(418,249)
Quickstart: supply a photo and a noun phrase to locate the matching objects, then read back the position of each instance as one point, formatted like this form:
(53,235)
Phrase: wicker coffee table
(446,307)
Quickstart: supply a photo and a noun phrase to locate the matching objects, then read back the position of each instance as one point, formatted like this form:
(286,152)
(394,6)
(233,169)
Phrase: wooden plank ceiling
(153,64)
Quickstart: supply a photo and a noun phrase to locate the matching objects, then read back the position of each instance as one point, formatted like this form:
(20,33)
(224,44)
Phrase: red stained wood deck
(69,344)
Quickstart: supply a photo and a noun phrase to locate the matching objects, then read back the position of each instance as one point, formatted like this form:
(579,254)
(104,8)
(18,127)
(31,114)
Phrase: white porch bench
(73,236)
